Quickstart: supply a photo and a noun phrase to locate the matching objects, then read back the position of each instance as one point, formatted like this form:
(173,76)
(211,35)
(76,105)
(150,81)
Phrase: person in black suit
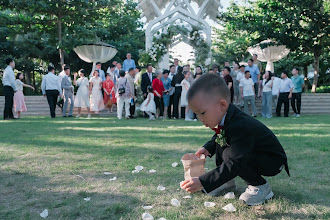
(147,80)
(243,146)
(176,83)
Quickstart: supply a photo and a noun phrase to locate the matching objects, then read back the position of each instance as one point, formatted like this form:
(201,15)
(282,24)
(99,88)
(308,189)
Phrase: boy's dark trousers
(160,104)
(52,100)
(9,101)
(283,98)
(296,96)
(177,96)
(132,108)
(254,167)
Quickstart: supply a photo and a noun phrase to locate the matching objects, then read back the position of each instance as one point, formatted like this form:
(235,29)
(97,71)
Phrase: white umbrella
(270,52)
(98,52)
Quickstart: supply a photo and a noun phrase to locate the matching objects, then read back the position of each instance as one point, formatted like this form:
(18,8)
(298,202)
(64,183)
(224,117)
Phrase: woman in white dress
(149,105)
(82,96)
(95,90)
(185,86)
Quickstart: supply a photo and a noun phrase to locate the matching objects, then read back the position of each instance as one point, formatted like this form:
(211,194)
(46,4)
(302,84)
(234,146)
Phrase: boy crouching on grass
(243,146)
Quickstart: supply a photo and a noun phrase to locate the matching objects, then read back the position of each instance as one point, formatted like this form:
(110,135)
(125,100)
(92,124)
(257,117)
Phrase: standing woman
(229,81)
(176,82)
(185,87)
(109,91)
(267,96)
(82,96)
(158,88)
(233,75)
(95,90)
(198,72)
(168,88)
(19,102)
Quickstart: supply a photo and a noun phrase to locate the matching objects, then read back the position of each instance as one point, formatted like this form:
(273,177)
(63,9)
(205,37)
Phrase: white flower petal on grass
(87,199)
(147,207)
(44,213)
(174,164)
(161,188)
(230,208)
(162,218)
(107,173)
(152,171)
(139,168)
(113,179)
(209,204)
(175,202)
(147,216)
(135,171)
(206,168)
(229,195)
(187,197)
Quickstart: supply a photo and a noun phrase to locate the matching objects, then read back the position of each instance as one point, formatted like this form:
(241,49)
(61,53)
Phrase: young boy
(248,148)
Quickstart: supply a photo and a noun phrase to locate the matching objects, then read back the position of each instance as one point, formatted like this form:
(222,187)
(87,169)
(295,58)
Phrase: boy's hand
(202,151)
(192,185)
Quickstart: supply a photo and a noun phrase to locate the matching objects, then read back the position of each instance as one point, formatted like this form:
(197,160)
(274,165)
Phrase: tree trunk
(305,78)
(59,22)
(316,71)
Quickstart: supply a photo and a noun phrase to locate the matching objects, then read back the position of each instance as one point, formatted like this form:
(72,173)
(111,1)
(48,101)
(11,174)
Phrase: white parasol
(98,52)
(269,51)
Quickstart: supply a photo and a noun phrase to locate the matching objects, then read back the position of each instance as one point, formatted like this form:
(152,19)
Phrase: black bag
(122,90)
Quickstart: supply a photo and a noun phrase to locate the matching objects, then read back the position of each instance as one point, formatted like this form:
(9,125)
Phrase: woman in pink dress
(19,102)
(109,91)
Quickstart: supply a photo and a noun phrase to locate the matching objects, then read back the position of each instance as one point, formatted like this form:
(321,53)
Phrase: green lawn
(55,163)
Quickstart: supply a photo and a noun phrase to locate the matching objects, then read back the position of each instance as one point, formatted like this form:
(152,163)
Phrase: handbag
(122,90)
(109,104)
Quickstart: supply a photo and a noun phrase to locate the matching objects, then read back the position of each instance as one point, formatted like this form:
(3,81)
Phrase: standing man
(176,64)
(147,80)
(67,87)
(246,86)
(101,72)
(285,93)
(130,81)
(128,63)
(137,74)
(113,74)
(255,74)
(51,87)
(9,88)
(257,62)
(171,93)
(62,74)
(298,84)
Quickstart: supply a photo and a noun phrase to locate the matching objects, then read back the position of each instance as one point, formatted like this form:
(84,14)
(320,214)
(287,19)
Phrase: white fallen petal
(152,171)
(229,195)
(87,199)
(209,204)
(147,207)
(175,202)
(107,173)
(174,164)
(139,168)
(44,214)
(135,171)
(147,216)
(230,208)
(162,188)
(206,168)
(113,179)
(187,197)
(162,218)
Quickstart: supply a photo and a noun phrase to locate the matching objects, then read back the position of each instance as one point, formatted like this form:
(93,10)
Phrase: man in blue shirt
(101,72)
(298,84)
(255,74)
(128,63)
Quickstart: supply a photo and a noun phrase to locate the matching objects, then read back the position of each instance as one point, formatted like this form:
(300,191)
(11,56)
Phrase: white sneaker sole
(268,197)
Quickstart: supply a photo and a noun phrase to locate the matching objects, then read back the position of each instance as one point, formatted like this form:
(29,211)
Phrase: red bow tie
(217,129)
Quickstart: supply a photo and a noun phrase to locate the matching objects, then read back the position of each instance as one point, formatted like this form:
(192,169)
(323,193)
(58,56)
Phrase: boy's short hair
(97,63)
(122,73)
(9,60)
(50,68)
(66,67)
(242,66)
(247,72)
(210,84)
(112,66)
(166,71)
(251,60)
(285,72)
(172,66)
(130,69)
(296,68)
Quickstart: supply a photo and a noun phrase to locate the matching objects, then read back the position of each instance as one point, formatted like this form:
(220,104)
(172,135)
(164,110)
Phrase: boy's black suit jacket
(247,138)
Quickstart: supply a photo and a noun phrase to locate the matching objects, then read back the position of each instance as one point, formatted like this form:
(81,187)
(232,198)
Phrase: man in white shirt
(61,75)
(275,89)
(285,93)
(248,93)
(51,88)
(9,88)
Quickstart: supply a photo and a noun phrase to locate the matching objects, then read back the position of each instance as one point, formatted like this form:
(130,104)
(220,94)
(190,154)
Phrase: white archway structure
(162,13)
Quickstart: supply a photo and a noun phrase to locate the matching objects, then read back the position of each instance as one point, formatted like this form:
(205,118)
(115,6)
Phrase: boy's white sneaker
(294,115)
(230,185)
(78,116)
(256,195)
(297,115)
(188,119)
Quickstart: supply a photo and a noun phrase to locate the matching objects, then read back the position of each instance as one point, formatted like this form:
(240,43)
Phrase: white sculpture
(269,54)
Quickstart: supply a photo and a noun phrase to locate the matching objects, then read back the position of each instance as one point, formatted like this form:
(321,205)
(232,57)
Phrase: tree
(298,24)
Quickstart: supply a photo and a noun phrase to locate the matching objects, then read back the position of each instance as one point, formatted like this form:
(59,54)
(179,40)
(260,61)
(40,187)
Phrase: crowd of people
(164,92)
